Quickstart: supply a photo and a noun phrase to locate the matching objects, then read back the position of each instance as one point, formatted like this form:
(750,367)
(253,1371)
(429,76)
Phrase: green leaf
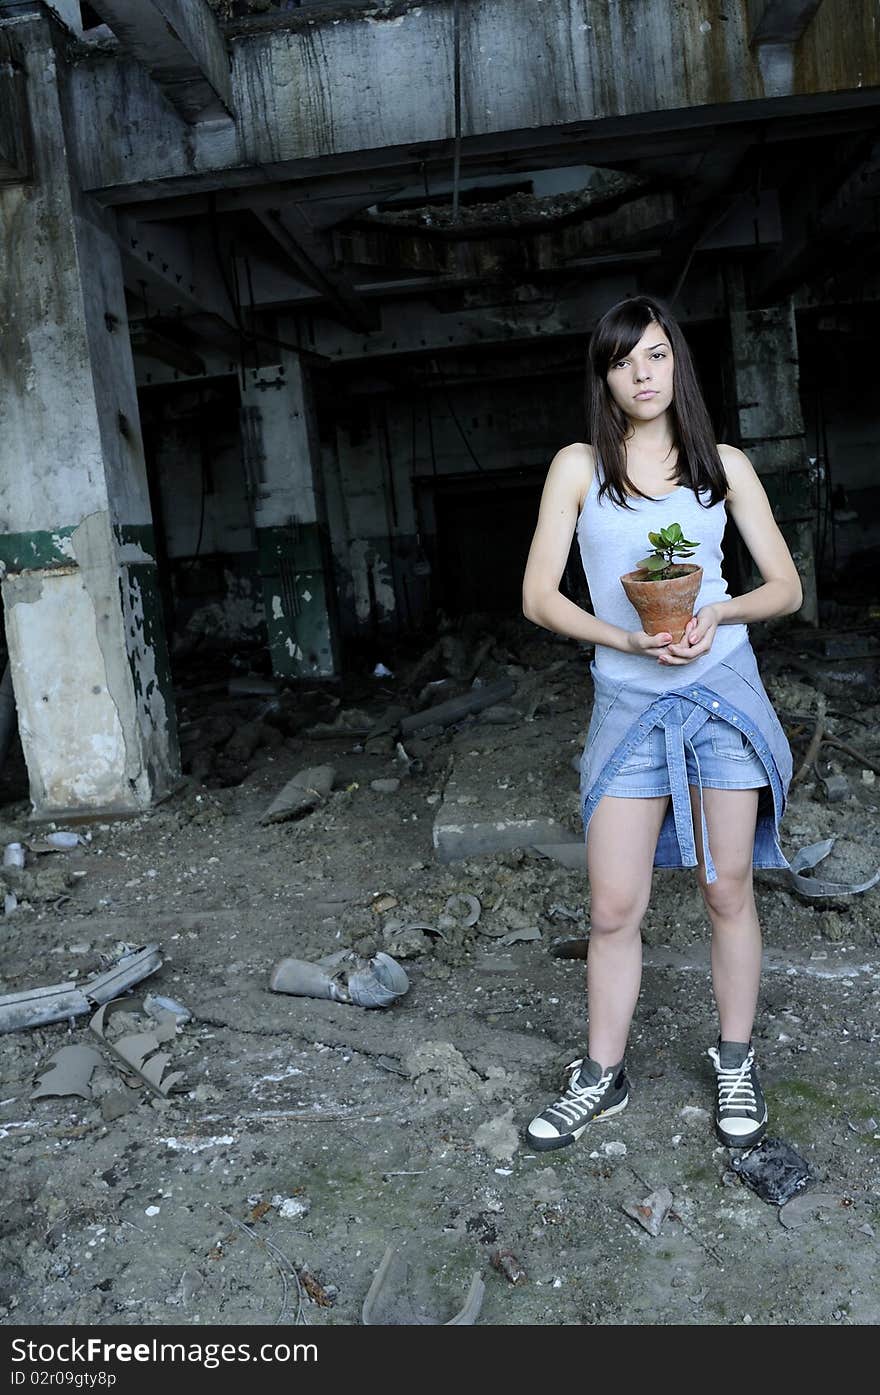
(686,543)
(675,533)
(654,539)
(666,535)
(652,563)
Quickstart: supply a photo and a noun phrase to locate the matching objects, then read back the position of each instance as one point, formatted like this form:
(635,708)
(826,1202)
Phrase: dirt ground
(308,1136)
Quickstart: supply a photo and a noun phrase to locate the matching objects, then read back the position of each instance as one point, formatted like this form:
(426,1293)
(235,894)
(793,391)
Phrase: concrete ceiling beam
(180,44)
(780,21)
(576,79)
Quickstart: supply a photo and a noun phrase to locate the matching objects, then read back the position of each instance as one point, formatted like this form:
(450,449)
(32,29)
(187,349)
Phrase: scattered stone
(836,788)
(498,1137)
(439,1069)
(651,1212)
(694,1114)
(507,1264)
(157,1007)
(302,794)
(385,786)
(292,1208)
(116,1103)
(614,1149)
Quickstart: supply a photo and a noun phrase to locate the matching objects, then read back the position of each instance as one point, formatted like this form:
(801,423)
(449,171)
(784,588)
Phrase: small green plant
(670,548)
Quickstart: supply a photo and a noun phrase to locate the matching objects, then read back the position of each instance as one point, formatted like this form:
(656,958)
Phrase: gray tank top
(612,540)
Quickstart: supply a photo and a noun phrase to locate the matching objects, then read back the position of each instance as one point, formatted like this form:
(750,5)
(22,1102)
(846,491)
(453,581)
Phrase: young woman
(685,762)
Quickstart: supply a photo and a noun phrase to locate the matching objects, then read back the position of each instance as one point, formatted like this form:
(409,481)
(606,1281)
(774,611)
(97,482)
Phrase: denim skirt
(727,761)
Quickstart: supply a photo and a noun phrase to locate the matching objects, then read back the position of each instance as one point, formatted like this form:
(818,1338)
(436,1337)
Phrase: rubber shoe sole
(740,1141)
(545,1145)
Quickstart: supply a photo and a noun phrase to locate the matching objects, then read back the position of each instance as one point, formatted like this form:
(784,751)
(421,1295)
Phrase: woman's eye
(660,354)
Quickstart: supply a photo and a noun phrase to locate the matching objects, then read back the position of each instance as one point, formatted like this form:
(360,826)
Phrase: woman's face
(641,382)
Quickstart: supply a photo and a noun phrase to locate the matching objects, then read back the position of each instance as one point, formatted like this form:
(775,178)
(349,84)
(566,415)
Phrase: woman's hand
(696,641)
(650,646)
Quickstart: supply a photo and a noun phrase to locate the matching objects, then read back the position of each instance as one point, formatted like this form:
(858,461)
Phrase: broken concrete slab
(572,853)
(455,838)
(305,791)
(493,802)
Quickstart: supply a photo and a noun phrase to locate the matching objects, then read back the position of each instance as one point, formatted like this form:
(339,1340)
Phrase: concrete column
(83,615)
(766,411)
(283,466)
(370,591)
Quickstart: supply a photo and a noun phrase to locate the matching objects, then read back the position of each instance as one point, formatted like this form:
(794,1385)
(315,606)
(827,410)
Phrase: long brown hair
(698,464)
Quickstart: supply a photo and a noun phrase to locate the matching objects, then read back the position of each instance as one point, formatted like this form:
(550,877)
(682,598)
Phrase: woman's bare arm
(567,480)
(781,592)
(748,505)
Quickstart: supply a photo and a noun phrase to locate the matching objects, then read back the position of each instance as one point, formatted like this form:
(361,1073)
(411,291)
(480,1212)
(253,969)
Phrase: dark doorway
(484,530)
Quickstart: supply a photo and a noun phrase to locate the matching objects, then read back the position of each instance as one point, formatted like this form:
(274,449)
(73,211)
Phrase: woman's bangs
(619,333)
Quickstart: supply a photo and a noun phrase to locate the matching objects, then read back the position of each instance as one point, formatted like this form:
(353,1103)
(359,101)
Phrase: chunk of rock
(498,1137)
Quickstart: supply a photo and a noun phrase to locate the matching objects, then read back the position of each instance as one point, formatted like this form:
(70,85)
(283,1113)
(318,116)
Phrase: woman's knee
(730,894)
(613,910)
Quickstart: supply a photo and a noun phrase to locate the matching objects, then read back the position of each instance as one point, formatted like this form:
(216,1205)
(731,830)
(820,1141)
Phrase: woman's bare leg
(730,901)
(621,840)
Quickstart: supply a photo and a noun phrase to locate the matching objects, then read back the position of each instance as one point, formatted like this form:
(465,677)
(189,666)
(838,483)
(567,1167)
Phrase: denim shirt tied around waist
(732,691)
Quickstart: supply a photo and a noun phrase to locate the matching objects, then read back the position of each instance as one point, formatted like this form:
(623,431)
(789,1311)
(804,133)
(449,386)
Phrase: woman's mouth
(648,392)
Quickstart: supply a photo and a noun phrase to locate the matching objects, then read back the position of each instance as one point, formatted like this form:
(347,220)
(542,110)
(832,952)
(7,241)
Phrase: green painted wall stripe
(36,552)
(136,534)
(45,549)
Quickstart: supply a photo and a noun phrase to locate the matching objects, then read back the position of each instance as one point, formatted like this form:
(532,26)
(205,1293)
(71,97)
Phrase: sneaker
(591,1092)
(740,1107)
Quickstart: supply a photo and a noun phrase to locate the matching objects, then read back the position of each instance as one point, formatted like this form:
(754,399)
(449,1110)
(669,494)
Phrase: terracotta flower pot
(664,606)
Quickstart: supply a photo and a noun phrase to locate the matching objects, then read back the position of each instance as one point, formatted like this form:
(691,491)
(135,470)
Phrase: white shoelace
(578,1100)
(735,1089)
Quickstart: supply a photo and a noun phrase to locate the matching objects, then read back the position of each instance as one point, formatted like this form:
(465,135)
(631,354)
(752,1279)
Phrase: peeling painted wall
(71,732)
(237,615)
(96,726)
(84,634)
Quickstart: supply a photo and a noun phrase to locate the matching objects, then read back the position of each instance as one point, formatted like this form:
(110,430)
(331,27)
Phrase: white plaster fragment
(277,608)
(366,563)
(236,616)
(62,544)
(307,595)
